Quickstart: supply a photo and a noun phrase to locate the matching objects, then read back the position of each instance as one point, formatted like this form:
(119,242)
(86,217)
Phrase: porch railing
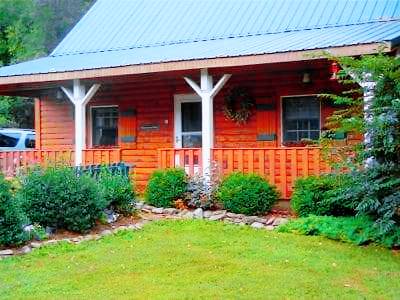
(13,161)
(281,166)
(187,158)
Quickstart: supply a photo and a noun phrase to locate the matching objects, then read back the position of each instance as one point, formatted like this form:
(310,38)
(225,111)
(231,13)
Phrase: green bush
(12,218)
(246,194)
(355,230)
(375,192)
(321,195)
(166,186)
(118,191)
(56,197)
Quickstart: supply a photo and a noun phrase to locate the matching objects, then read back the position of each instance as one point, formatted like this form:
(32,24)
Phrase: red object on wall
(334,70)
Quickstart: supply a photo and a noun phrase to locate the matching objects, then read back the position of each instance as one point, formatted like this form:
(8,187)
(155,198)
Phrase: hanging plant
(238,104)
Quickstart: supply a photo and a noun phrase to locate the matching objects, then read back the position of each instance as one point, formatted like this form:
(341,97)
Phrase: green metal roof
(132,32)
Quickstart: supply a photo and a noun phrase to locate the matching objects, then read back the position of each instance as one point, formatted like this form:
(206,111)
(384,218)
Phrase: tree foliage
(31,29)
(375,165)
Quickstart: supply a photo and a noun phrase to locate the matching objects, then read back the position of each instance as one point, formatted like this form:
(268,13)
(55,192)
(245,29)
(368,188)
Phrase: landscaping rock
(270,220)
(170,211)
(269,227)
(188,215)
(6,252)
(219,212)
(36,245)
(257,225)
(120,228)
(157,210)
(217,217)
(88,237)
(132,227)
(105,232)
(25,250)
(207,214)
(198,213)
(249,219)
(231,215)
(75,240)
(111,216)
(139,205)
(261,220)
(50,242)
(279,221)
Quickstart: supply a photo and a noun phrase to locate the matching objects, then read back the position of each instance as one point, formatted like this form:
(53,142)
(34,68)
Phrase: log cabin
(198,84)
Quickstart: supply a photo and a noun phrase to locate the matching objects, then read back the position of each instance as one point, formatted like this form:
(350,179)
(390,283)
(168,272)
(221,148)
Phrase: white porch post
(207,92)
(79,99)
(368,86)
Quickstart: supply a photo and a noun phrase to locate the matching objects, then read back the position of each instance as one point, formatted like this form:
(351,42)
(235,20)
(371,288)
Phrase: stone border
(157,213)
(260,222)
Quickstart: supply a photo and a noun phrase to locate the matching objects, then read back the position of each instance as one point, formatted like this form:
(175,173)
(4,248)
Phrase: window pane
(290,136)
(191,141)
(9,139)
(291,124)
(314,124)
(314,135)
(303,124)
(301,118)
(191,116)
(303,135)
(30,141)
(105,126)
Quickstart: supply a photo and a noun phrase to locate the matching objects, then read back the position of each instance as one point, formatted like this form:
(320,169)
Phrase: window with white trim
(105,126)
(300,118)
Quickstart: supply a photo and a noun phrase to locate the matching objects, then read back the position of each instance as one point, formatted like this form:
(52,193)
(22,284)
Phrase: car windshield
(9,139)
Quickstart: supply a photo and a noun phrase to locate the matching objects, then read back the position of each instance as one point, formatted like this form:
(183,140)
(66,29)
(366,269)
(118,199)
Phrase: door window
(191,124)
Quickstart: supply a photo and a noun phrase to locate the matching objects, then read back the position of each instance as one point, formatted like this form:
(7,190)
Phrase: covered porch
(139,119)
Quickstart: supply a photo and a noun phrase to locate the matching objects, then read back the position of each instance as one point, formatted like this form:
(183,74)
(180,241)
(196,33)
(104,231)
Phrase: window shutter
(127,127)
(266,122)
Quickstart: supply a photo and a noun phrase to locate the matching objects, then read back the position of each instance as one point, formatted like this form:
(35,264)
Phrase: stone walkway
(150,213)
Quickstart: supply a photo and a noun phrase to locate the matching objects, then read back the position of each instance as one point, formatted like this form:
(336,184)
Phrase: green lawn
(198,259)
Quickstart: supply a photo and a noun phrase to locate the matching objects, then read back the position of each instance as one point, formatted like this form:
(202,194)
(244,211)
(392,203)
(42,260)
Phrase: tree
(375,189)
(31,29)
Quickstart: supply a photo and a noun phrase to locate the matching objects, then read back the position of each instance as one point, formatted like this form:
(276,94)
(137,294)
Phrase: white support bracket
(207,92)
(79,99)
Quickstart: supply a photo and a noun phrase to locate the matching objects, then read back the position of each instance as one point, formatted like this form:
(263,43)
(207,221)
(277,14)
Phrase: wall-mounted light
(59,95)
(306,77)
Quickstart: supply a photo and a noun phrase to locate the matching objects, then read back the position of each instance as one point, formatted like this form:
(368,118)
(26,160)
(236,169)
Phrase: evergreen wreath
(231,110)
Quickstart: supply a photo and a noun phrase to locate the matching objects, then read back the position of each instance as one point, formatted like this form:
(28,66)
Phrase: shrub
(246,194)
(356,230)
(322,195)
(200,194)
(117,191)
(166,186)
(56,197)
(12,218)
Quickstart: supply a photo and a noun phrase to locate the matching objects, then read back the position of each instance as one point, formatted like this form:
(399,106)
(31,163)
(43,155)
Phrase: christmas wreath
(238,104)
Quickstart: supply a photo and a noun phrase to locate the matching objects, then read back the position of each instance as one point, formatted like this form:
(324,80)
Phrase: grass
(198,259)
